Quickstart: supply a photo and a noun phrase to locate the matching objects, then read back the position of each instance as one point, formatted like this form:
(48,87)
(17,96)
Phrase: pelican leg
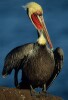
(44,93)
(44,88)
(33,92)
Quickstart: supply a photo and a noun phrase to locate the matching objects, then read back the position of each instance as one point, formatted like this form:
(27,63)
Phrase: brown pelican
(39,64)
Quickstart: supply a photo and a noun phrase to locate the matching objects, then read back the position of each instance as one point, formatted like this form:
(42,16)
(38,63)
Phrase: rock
(20,94)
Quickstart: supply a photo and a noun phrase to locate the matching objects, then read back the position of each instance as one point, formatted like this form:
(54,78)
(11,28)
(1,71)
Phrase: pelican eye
(38,13)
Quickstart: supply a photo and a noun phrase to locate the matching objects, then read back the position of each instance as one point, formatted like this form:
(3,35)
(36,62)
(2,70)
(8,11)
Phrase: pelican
(39,63)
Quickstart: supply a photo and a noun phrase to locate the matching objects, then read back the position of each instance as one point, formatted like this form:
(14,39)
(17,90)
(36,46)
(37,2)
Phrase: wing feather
(59,57)
(18,55)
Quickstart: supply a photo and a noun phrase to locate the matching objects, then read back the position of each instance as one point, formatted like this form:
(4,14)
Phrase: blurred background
(16,29)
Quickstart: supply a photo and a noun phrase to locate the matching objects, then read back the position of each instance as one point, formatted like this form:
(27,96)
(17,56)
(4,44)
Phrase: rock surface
(20,94)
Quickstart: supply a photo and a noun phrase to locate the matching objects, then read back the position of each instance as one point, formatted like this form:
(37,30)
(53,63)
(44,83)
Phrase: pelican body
(39,64)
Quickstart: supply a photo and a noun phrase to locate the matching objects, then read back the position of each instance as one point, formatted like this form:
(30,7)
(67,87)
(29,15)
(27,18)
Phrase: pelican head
(35,13)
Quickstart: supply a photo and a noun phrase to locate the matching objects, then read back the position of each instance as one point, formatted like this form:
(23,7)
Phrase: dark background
(16,29)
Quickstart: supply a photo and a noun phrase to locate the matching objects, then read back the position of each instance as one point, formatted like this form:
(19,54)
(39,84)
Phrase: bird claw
(34,93)
(44,93)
